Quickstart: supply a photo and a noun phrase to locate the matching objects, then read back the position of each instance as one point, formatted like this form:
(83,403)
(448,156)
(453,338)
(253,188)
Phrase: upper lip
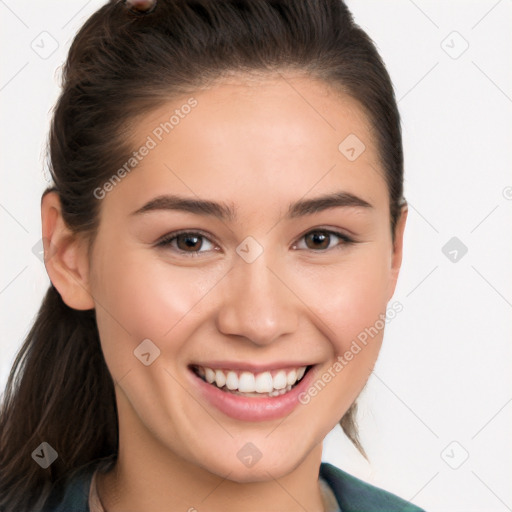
(251,367)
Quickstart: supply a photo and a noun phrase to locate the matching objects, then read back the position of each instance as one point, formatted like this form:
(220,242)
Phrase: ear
(65,255)
(396,258)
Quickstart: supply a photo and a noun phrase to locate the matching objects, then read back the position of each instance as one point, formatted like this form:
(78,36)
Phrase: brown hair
(121,65)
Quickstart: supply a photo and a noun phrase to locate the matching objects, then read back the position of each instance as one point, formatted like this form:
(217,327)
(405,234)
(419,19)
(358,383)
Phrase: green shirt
(351,493)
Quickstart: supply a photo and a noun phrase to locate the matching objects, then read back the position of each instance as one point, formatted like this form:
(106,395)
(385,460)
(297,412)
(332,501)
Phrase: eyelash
(169,238)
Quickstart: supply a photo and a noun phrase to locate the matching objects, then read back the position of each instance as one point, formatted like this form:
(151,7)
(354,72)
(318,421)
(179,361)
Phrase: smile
(271,383)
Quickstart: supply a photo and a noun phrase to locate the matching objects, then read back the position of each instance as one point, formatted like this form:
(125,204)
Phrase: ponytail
(59,391)
(348,424)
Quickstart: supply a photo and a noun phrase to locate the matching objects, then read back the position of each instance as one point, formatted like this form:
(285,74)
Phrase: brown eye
(320,240)
(189,242)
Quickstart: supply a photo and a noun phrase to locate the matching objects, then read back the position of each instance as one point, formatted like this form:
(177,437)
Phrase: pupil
(188,244)
(320,237)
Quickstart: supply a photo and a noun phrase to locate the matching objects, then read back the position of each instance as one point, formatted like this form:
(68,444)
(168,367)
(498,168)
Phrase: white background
(441,390)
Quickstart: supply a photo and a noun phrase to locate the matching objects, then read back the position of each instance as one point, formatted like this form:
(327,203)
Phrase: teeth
(220,378)
(264,382)
(291,378)
(209,375)
(278,392)
(275,384)
(280,380)
(246,382)
(232,380)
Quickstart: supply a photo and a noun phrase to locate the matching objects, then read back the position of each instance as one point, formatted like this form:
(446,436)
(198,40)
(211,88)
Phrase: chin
(264,469)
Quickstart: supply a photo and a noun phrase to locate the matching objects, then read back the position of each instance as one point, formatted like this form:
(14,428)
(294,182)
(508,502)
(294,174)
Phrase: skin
(257,146)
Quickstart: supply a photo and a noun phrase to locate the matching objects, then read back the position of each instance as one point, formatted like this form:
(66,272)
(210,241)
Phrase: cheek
(352,303)
(139,298)
(350,297)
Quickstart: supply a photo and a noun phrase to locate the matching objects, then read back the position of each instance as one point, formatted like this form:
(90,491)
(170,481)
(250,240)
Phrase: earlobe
(65,255)
(396,259)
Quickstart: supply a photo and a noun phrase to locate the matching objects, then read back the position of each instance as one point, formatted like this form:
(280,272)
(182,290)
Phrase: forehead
(283,105)
(257,139)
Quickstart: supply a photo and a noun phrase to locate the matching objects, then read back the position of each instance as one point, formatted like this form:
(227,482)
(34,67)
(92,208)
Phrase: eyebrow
(227,212)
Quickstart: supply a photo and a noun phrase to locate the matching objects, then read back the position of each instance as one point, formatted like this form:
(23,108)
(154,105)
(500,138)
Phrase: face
(231,328)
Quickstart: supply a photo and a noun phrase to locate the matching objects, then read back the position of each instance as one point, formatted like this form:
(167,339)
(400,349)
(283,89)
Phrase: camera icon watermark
(146,352)
(455,455)
(44,455)
(454,45)
(249,455)
(39,252)
(249,250)
(45,45)
(454,249)
(351,147)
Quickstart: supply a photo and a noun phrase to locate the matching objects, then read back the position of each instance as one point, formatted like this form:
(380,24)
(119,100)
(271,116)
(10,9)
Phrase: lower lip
(253,408)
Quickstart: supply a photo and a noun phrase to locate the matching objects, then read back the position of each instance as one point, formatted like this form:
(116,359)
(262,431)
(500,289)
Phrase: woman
(225,222)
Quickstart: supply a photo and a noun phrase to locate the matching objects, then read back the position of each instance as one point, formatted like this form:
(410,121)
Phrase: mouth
(262,384)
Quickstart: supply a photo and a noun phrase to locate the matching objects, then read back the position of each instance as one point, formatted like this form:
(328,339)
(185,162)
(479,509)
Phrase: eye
(186,242)
(191,242)
(320,240)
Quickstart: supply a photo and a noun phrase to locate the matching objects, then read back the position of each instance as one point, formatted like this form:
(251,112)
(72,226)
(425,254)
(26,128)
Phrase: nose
(257,303)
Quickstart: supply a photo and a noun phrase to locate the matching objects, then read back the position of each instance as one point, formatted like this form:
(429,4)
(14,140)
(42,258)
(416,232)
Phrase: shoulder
(355,495)
(71,493)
